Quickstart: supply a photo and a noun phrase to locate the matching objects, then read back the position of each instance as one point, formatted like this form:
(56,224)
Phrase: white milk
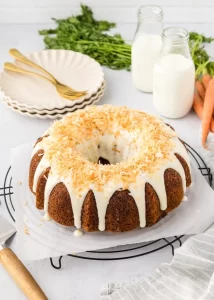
(174,79)
(145,50)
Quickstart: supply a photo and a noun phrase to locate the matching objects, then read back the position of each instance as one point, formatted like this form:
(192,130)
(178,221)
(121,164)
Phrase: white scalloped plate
(60,111)
(77,70)
(53,116)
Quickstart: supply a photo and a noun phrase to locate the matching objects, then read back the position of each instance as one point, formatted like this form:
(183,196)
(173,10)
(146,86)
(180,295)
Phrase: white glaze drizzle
(78,233)
(185,199)
(102,204)
(36,148)
(50,184)
(47,217)
(42,166)
(137,190)
(76,202)
(102,200)
(181,150)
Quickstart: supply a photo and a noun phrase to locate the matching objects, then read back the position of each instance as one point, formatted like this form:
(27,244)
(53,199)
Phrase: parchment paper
(38,239)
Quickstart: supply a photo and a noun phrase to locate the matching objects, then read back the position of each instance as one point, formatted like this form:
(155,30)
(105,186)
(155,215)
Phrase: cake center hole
(107,149)
(103,161)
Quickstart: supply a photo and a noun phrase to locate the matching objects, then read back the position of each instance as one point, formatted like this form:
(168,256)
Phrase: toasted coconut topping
(150,140)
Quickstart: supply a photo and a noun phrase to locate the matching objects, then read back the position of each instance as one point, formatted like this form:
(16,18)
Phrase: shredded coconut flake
(40,154)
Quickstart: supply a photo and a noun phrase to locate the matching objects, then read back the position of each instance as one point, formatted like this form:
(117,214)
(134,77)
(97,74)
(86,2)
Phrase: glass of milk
(146,46)
(174,75)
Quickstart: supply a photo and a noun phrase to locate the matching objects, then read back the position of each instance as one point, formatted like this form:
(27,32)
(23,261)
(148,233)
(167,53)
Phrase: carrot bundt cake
(109,168)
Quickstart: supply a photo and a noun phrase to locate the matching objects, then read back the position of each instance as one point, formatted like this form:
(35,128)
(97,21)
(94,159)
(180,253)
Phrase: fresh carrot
(198,108)
(205,80)
(207,111)
(212,125)
(198,105)
(200,88)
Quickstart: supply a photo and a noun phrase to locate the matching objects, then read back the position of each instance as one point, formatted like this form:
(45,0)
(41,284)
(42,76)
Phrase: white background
(31,11)
(20,21)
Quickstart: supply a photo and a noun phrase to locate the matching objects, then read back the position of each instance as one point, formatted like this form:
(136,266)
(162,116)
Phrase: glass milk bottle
(174,75)
(146,46)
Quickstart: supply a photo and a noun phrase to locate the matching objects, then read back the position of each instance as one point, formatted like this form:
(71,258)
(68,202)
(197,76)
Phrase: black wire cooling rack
(120,252)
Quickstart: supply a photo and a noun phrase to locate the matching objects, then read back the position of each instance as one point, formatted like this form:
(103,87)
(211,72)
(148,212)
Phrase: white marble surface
(79,279)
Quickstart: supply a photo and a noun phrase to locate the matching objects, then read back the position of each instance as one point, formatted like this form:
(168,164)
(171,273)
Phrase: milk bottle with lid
(146,46)
(174,75)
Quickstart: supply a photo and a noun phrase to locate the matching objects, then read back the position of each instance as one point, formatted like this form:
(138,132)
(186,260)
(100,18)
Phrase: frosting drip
(42,166)
(78,233)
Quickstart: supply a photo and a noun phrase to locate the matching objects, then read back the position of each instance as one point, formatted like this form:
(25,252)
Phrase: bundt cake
(109,168)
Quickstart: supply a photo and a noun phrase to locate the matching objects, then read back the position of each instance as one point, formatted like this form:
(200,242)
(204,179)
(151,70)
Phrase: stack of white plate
(35,97)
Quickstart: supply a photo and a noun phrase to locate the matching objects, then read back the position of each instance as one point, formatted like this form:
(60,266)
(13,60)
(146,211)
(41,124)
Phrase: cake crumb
(20,182)
(26,231)
(25,203)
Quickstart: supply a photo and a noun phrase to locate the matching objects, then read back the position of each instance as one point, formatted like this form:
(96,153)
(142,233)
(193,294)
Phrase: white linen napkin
(189,276)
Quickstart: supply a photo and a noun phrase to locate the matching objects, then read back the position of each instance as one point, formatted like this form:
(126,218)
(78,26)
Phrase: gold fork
(71,95)
(61,88)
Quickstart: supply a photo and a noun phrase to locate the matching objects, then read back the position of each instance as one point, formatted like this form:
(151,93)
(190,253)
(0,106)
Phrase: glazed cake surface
(109,168)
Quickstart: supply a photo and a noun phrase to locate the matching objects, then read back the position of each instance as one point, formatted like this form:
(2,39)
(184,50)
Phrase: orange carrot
(207,111)
(205,80)
(212,126)
(198,105)
(200,89)
(198,108)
